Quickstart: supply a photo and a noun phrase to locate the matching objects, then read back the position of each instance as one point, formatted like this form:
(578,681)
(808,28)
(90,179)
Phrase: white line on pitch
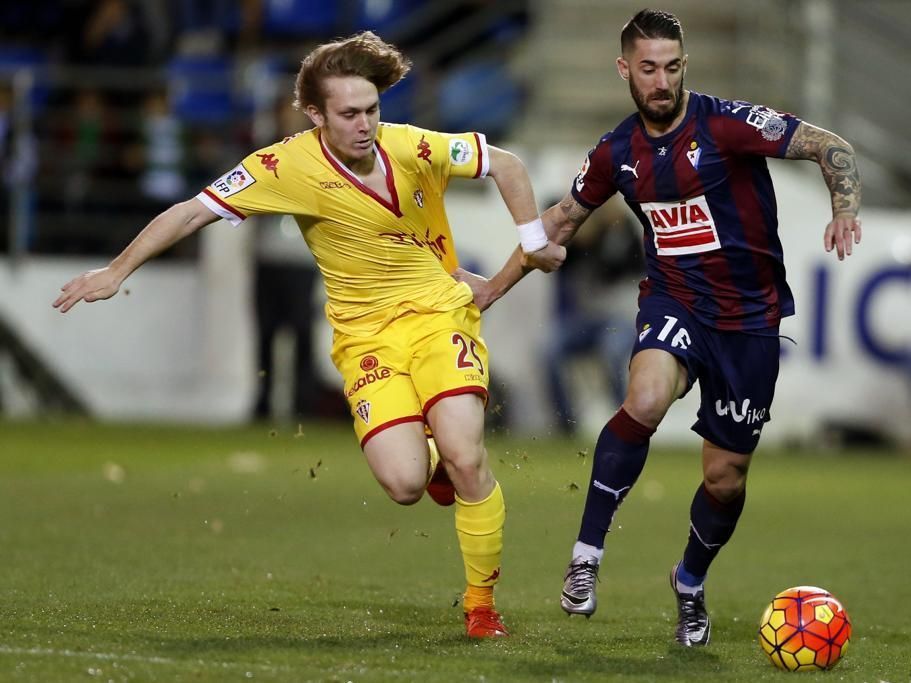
(110,656)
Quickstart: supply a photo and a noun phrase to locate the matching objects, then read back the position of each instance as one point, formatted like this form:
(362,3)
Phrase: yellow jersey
(378,259)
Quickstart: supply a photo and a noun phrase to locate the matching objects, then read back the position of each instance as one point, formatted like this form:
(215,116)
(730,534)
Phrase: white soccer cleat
(578,595)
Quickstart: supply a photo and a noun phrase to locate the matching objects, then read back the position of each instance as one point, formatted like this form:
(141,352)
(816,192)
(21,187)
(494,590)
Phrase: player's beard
(648,111)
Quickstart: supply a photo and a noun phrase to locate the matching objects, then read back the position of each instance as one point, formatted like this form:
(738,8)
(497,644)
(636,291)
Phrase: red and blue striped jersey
(705,199)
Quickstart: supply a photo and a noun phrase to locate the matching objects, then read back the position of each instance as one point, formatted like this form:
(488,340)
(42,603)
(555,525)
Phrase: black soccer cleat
(694,628)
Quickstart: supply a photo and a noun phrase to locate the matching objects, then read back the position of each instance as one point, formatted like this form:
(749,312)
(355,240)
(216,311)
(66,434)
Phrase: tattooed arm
(561,222)
(839,169)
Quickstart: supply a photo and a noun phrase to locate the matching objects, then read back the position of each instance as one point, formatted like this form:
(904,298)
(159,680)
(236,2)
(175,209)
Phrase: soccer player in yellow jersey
(368,198)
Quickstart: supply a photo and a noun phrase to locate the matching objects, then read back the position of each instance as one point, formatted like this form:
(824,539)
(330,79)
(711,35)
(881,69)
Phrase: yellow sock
(479,527)
(477,596)
(434,456)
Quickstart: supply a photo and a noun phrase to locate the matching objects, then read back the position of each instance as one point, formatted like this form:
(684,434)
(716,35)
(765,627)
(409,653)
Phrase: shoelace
(486,618)
(582,577)
(693,610)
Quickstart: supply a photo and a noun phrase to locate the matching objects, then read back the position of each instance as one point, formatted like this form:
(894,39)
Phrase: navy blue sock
(712,524)
(619,458)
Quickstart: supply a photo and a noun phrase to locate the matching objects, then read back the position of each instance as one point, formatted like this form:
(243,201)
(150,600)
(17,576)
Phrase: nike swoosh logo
(573,599)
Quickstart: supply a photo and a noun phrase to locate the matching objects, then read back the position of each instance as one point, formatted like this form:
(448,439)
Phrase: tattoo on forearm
(575,213)
(836,159)
(839,168)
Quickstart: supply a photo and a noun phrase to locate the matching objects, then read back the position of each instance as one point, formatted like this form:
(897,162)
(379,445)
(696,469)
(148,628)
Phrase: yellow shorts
(396,375)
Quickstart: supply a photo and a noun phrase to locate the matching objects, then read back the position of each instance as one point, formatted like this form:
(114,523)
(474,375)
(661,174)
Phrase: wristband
(532,235)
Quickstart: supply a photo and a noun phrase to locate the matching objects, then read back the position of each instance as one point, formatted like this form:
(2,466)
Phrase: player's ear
(315,115)
(684,64)
(623,68)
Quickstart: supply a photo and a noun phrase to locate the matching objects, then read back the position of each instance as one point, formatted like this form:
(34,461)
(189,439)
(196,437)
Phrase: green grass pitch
(145,553)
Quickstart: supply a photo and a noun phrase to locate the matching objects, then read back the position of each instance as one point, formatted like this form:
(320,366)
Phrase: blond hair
(363,54)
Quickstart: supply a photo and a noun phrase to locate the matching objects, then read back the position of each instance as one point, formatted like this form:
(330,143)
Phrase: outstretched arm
(839,169)
(165,230)
(561,222)
(514,185)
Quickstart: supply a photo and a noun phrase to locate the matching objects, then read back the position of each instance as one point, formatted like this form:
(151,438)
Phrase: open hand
(93,285)
(840,233)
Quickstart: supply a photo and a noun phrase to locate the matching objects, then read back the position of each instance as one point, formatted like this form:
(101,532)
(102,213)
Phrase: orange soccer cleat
(440,487)
(484,622)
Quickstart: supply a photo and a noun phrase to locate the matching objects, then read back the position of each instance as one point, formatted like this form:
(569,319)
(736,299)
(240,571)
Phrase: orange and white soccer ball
(804,629)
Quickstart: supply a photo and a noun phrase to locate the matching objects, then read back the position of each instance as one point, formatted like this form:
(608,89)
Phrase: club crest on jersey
(233,181)
(460,152)
(694,153)
(363,410)
(419,198)
(684,227)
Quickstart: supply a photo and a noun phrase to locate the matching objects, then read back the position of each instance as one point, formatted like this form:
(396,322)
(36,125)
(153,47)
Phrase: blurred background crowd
(113,109)
(124,106)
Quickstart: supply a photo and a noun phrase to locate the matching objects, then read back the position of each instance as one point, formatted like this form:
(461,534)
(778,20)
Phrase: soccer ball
(804,629)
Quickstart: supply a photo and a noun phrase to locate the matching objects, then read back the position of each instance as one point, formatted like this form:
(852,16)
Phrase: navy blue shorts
(736,370)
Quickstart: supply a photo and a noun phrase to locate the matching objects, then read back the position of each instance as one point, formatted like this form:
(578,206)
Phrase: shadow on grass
(631,656)
(420,636)
(349,625)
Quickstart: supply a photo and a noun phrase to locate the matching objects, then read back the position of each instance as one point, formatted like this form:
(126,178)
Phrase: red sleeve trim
(218,200)
(477,140)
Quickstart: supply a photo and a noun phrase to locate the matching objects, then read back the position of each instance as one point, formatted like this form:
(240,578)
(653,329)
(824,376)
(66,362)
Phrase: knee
(405,492)
(466,465)
(726,485)
(648,403)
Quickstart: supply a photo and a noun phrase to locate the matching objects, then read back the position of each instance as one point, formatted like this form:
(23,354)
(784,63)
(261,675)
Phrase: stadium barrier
(177,343)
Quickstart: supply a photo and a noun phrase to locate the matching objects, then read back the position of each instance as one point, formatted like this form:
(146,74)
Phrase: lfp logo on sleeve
(233,181)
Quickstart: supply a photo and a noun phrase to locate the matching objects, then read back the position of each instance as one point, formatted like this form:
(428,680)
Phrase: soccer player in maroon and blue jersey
(692,168)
